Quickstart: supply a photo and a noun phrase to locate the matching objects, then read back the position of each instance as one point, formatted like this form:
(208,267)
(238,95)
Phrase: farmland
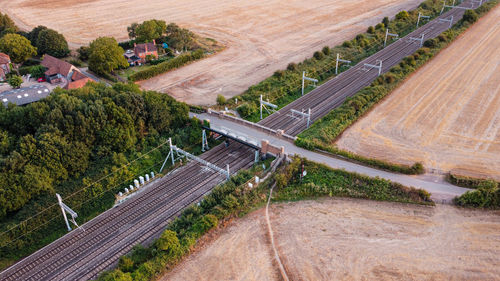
(347,239)
(445,115)
(261,36)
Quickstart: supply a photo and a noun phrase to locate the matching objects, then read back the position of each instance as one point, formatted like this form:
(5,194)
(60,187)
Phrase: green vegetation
(325,181)
(49,41)
(323,133)
(230,199)
(17,47)
(286,87)
(167,65)
(234,198)
(80,144)
(487,195)
(221,100)
(468,182)
(148,30)
(15,81)
(105,56)
(7,25)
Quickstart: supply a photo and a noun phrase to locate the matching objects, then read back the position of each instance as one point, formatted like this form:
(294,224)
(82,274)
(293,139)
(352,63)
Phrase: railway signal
(308,79)
(420,16)
(64,209)
(387,34)
(264,105)
(337,64)
(379,66)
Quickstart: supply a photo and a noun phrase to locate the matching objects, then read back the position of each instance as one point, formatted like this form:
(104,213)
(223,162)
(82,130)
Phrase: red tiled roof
(4,58)
(141,48)
(56,66)
(78,83)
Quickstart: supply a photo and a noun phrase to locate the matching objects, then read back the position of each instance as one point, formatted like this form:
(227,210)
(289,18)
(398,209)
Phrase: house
(146,49)
(60,71)
(132,59)
(4,66)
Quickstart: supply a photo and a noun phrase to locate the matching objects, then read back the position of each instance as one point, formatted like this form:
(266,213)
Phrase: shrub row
(325,181)
(487,195)
(228,199)
(167,66)
(285,85)
(468,182)
(323,133)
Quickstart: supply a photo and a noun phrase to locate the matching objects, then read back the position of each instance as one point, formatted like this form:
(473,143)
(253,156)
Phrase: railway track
(334,92)
(82,255)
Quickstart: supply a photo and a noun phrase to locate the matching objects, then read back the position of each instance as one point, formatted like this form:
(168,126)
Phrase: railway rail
(83,254)
(333,93)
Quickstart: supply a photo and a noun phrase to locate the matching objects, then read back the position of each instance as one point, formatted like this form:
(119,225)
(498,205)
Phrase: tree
(15,81)
(131,30)
(17,47)
(179,38)
(385,21)
(37,71)
(83,53)
(221,100)
(149,30)
(402,15)
(33,34)
(105,56)
(51,42)
(470,16)
(7,25)
(169,243)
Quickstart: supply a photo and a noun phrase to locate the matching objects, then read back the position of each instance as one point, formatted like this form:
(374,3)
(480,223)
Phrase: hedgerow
(487,195)
(167,65)
(324,132)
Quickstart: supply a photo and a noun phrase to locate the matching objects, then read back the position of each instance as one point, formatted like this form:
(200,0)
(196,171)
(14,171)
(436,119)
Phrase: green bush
(169,243)
(319,55)
(221,100)
(471,182)
(292,67)
(247,109)
(470,16)
(37,71)
(125,264)
(402,15)
(167,66)
(326,50)
(371,30)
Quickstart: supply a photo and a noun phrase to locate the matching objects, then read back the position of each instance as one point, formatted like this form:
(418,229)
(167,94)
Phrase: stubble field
(261,36)
(447,115)
(348,239)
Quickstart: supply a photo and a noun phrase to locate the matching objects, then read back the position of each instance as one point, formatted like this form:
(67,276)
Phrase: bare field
(346,239)
(447,115)
(262,35)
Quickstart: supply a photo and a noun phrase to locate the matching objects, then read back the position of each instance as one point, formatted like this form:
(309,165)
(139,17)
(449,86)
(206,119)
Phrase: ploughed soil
(348,239)
(261,36)
(446,115)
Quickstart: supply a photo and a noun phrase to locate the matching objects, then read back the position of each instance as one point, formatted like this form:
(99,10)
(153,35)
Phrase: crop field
(261,36)
(348,239)
(446,115)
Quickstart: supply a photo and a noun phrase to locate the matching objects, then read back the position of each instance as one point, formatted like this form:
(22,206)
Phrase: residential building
(146,49)
(59,71)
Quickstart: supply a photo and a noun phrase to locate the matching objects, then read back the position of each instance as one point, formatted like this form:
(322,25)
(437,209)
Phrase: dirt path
(346,239)
(447,115)
(262,35)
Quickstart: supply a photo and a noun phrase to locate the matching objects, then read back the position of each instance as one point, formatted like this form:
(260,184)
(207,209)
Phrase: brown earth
(347,239)
(261,35)
(447,115)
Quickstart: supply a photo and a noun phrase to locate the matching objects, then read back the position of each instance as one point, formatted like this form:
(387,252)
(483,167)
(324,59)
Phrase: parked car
(41,79)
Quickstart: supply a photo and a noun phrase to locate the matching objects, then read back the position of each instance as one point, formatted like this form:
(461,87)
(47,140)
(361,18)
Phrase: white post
(337,64)
(261,101)
(228,173)
(62,209)
(303,76)
(308,117)
(389,34)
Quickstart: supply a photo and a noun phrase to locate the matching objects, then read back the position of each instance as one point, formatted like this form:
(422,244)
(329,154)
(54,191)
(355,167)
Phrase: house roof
(145,47)
(56,66)
(77,75)
(4,58)
(24,95)
(78,83)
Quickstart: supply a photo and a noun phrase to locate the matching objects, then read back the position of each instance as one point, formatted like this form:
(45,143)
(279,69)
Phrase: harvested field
(347,239)
(446,115)
(262,36)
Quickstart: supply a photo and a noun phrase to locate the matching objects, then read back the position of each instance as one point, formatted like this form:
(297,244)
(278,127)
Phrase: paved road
(441,190)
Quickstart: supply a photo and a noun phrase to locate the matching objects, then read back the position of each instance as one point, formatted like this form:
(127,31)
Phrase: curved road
(442,191)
